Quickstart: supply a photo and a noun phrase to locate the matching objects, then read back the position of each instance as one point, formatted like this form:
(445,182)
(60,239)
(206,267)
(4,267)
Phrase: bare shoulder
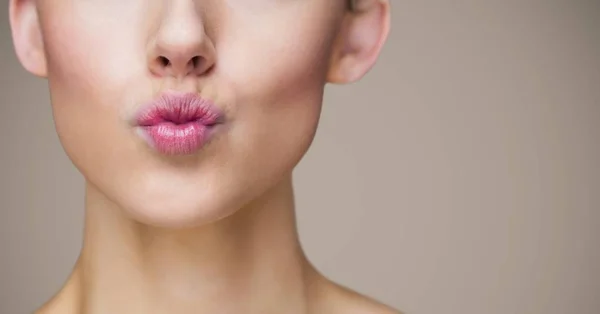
(362,304)
(343,300)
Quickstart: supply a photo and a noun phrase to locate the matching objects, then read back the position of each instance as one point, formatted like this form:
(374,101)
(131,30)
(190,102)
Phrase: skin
(211,232)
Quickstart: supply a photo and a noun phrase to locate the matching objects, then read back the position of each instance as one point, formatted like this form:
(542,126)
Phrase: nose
(181,47)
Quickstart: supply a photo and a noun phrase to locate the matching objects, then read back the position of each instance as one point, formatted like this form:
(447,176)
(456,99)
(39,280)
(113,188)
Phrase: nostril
(195,60)
(164,61)
(196,65)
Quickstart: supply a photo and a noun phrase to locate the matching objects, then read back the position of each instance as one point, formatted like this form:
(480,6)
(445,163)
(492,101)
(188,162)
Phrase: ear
(364,31)
(27,36)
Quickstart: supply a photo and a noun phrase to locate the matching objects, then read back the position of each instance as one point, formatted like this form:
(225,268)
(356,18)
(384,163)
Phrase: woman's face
(261,63)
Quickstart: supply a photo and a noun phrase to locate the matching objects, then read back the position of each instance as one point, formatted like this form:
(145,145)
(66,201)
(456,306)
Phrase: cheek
(275,55)
(92,72)
(277,70)
(89,79)
(90,58)
(278,78)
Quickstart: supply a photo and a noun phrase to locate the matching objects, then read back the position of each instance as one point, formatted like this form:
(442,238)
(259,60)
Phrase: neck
(249,262)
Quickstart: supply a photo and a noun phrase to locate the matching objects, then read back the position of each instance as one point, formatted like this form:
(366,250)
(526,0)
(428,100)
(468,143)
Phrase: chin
(167,199)
(178,211)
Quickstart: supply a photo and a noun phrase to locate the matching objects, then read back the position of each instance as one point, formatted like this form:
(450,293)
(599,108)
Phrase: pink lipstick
(177,123)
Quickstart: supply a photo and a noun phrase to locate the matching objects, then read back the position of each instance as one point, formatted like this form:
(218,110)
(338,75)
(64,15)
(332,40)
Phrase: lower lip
(176,139)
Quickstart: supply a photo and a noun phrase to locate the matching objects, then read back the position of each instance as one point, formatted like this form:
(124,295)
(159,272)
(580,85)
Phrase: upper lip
(178,108)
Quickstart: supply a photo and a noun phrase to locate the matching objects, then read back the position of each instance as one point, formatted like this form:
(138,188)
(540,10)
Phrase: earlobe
(361,38)
(27,37)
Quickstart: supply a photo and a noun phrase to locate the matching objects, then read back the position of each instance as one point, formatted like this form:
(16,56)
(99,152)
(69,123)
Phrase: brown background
(473,189)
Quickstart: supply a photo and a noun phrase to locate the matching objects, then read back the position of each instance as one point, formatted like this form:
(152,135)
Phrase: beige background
(473,189)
